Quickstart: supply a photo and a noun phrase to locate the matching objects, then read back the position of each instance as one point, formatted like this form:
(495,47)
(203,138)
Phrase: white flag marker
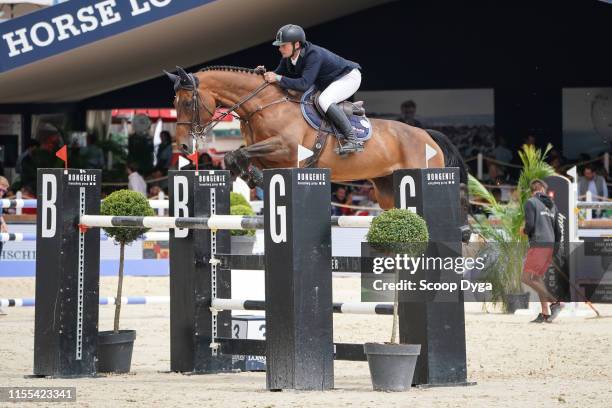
(303,154)
(429,153)
(182,162)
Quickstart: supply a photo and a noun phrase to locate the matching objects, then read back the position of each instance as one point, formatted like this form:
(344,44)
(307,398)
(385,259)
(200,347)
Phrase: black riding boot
(340,121)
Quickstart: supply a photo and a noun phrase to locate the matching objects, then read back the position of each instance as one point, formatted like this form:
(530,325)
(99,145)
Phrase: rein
(200,131)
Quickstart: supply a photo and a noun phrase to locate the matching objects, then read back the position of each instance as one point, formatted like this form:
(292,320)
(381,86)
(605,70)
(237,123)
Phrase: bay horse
(272,125)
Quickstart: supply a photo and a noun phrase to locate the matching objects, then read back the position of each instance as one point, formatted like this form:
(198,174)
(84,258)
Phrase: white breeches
(340,90)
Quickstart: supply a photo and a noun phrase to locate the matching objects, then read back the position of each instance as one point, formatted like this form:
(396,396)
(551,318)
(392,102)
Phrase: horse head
(194,109)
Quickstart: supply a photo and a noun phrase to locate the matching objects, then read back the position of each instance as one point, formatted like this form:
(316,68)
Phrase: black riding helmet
(290,33)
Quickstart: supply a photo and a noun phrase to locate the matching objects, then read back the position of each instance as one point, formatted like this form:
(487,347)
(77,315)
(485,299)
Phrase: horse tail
(452,158)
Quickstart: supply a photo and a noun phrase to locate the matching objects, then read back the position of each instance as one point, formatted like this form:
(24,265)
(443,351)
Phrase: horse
(272,125)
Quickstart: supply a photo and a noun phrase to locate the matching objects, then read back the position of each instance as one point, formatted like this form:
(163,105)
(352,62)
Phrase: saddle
(314,115)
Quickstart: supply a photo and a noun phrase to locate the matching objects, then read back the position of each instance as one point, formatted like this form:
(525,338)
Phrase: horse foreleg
(239,161)
(272,149)
(238,164)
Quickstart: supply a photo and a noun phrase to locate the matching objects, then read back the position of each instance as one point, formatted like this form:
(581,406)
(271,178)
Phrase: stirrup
(349,147)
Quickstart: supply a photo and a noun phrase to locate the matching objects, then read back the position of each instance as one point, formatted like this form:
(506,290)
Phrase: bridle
(199,130)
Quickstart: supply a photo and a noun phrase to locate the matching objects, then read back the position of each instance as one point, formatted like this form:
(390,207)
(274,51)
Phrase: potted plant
(115,346)
(242,240)
(503,229)
(392,364)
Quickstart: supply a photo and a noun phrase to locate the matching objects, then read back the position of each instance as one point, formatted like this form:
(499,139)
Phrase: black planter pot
(392,365)
(115,351)
(243,244)
(517,301)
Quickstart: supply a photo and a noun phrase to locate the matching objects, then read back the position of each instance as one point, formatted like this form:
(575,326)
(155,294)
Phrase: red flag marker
(63,154)
(194,159)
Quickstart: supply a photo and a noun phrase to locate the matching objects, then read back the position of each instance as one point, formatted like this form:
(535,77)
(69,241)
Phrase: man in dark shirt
(409,108)
(305,64)
(542,228)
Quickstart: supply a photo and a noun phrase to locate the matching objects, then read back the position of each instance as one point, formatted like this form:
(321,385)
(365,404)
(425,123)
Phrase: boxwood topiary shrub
(127,203)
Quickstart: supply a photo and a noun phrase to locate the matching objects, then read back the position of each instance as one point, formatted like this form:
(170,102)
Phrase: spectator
(42,157)
(342,196)
(409,113)
(501,151)
(25,159)
(164,152)
(135,180)
(154,191)
(530,140)
(543,230)
(4,186)
(92,156)
(140,152)
(206,162)
(371,202)
(494,175)
(593,182)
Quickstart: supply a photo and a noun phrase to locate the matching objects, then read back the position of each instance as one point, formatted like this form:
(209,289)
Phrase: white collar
(294,61)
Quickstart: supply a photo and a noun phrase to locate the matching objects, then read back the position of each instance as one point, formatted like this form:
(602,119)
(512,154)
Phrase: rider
(304,64)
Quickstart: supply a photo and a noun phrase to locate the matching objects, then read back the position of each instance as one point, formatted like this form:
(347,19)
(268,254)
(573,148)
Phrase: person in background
(530,140)
(206,162)
(4,186)
(92,155)
(593,182)
(164,153)
(140,152)
(135,181)
(544,232)
(342,196)
(43,157)
(25,160)
(408,109)
(501,151)
(371,202)
(154,191)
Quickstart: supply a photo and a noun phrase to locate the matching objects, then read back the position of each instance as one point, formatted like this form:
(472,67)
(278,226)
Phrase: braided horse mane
(233,69)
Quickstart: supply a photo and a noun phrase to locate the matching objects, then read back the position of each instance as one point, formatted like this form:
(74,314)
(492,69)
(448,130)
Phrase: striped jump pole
(25,236)
(17,203)
(214,222)
(17,236)
(106,300)
(343,307)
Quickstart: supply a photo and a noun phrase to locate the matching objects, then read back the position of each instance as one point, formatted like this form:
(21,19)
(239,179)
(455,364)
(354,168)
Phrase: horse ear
(184,75)
(172,77)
